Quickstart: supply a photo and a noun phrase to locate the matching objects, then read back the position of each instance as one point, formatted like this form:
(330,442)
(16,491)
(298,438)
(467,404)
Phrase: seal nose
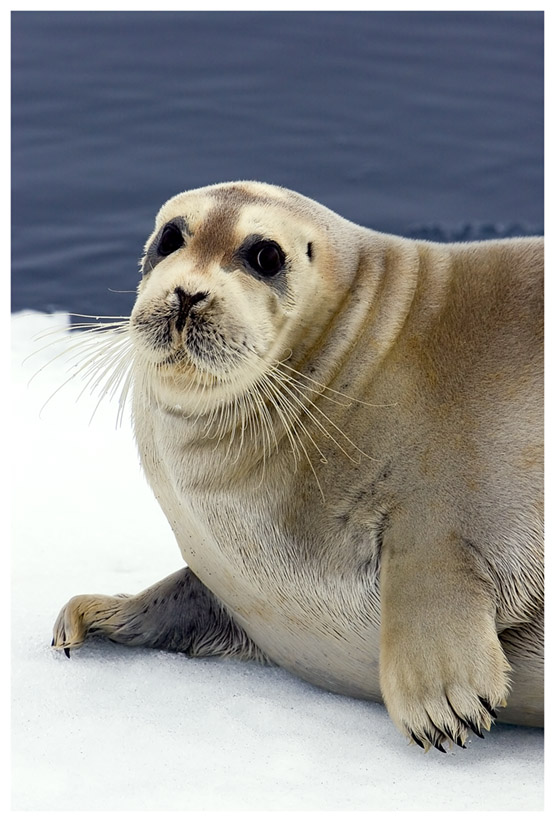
(186,302)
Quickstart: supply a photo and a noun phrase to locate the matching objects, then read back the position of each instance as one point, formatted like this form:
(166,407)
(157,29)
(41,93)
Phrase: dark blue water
(425,124)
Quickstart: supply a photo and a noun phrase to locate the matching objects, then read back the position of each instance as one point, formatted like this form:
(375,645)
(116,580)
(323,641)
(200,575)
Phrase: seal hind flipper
(176,614)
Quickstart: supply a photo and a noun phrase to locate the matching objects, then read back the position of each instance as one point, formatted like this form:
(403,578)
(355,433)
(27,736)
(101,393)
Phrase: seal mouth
(176,358)
(191,332)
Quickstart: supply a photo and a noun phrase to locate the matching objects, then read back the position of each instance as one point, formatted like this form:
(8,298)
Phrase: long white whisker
(296,412)
(267,388)
(294,381)
(113,383)
(123,396)
(321,426)
(95,368)
(283,364)
(78,345)
(297,422)
(265,420)
(104,352)
(99,317)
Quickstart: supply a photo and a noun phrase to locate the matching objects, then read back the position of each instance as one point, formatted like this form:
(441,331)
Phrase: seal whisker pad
(338,424)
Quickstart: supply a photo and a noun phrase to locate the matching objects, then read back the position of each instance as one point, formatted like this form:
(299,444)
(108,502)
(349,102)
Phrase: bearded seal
(344,430)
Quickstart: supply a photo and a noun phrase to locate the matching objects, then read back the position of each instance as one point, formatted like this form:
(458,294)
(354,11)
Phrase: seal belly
(319,639)
(318,620)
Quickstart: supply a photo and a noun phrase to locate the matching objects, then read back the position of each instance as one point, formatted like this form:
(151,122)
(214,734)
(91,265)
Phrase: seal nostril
(186,302)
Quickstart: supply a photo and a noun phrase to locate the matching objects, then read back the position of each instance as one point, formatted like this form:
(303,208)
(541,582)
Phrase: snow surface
(116,729)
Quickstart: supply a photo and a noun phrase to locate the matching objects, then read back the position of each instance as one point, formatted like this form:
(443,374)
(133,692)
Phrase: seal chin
(180,358)
(195,369)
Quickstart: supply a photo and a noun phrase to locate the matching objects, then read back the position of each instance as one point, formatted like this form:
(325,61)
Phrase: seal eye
(266,258)
(170,241)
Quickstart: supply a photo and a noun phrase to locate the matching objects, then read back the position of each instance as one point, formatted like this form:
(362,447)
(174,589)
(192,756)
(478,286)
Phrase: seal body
(344,430)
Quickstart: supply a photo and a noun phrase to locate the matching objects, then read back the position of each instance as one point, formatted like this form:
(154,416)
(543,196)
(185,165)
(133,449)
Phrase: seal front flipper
(176,614)
(443,671)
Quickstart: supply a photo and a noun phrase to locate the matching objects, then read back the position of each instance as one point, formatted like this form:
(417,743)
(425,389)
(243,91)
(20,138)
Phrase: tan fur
(376,526)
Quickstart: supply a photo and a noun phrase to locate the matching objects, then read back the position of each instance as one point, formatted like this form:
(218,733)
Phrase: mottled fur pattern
(349,452)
